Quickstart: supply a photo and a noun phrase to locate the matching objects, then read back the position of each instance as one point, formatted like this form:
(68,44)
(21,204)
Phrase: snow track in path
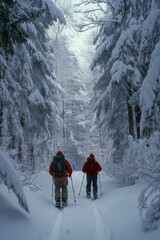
(101,229)
(54,230)
(78,222)
(85,220)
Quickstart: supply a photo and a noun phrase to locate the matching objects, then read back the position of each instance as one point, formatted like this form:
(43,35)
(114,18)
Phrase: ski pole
(81,184)
(52,189)
(100,184)
(73,191)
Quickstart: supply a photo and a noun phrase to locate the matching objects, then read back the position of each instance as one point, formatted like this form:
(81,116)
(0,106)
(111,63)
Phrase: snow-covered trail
(84,220)
(113,216)
(68,224)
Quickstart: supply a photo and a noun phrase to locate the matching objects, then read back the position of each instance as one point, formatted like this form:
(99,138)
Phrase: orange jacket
(69,170)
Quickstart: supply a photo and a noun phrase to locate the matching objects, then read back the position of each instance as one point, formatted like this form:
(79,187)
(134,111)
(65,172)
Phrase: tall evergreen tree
(12,32)
(149,62)
(117,89)
(28,78)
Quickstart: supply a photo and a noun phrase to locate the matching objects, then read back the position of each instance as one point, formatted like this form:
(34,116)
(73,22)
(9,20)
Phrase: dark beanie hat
(91,155)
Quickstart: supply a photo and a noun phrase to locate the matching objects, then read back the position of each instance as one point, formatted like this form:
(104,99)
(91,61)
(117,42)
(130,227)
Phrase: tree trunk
(135,137)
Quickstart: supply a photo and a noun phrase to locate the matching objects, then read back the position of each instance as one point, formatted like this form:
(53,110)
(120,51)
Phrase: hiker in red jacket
(60,169)
(91,167)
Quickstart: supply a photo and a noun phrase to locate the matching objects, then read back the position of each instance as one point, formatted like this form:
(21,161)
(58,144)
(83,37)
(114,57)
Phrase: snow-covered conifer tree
(14,14)
(28,83)
(116,93)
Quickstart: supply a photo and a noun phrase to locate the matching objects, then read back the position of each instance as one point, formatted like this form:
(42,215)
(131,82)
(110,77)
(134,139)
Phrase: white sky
(81,44)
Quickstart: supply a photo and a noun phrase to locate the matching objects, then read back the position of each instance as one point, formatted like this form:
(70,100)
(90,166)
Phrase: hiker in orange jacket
(60,178)
(91,167)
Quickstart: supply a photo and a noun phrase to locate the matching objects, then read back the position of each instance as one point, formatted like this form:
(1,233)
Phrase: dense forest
(49,102)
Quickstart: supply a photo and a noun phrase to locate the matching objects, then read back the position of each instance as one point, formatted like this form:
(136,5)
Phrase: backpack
(91,167)
(59,165)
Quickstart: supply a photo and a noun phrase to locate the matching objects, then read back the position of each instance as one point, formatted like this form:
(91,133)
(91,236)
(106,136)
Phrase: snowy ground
(114,216)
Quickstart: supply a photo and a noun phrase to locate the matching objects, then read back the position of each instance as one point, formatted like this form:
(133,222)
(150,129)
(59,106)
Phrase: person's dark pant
(91,180)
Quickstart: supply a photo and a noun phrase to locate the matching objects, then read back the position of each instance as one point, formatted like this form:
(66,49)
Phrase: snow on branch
(149,202)
(93,14)
(36,98)
(150,86)
(11,179)
(54,11)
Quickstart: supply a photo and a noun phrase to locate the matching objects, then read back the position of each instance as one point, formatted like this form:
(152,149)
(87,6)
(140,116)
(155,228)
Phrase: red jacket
(97,167)
(69,170)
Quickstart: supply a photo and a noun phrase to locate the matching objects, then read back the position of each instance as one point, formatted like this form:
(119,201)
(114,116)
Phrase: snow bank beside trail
(121,210)
(11,179)
(15,224)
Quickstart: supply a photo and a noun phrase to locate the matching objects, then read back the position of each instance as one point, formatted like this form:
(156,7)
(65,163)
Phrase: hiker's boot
(95,196)
(88,195)
(58,203)
(64,202)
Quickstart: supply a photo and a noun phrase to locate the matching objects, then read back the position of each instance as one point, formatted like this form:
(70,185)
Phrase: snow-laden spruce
(150,93)
(9,176)
(28,79)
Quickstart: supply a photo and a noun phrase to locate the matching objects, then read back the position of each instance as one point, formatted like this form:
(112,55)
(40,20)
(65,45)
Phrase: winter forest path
(86,220)
(113,216)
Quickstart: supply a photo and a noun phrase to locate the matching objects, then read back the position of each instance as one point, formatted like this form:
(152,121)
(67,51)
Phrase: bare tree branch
(93,16)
